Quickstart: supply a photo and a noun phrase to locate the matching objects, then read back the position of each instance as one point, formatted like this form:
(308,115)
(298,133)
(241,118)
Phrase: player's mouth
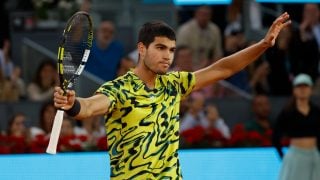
(165,64)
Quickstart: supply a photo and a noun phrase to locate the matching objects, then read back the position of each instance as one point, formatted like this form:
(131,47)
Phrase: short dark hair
(153,29)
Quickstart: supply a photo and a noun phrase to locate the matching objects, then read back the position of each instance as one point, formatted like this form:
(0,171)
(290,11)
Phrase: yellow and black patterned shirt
(142,125)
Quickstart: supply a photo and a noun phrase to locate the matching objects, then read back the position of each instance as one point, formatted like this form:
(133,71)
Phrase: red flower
(267,138)
(17,144)
(268,132)
(72,143)
(285,141)
(215,134)
(5,150)
(254,136)
(215,138)
(266,142)
(194,135)
(39,144)
(241,137)
(102,144)
(4,147)
(239,128)
(83,138)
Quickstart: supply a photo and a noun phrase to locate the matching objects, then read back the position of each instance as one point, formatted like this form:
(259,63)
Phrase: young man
(142,107)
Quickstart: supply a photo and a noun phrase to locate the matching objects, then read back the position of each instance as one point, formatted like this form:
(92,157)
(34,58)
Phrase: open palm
(274,30)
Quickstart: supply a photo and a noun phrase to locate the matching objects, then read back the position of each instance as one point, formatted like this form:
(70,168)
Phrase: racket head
(74,48)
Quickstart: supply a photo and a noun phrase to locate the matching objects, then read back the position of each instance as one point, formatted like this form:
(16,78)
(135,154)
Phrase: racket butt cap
(51,151)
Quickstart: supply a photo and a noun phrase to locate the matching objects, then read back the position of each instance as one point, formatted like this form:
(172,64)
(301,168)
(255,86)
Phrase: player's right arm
(92,106)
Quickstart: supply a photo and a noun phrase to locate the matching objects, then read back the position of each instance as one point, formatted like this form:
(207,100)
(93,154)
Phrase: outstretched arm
(229,65)
(91,106)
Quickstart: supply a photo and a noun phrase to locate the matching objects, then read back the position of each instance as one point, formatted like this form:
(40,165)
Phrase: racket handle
(55,133)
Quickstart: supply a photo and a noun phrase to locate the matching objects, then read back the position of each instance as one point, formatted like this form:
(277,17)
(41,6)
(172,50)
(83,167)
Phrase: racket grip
(55,133)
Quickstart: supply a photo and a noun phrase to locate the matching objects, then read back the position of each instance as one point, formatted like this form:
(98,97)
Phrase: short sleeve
(110,91)
(187,83)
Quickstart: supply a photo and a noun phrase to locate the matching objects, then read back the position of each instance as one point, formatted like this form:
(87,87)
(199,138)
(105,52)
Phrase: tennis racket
(73,53)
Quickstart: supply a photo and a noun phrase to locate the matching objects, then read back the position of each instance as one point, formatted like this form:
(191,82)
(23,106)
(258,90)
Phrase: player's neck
(147,76)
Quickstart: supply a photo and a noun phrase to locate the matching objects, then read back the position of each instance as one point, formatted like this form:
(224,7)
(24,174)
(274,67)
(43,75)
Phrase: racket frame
(68,84)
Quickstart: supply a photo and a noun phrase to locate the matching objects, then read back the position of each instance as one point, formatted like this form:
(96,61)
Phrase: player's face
(158,56)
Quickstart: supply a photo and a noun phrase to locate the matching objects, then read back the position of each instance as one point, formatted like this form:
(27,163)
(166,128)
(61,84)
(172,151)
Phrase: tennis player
(141,108)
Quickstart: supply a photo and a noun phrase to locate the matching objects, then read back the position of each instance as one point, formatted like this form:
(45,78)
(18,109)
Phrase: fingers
(286,23)
(59,90)
(59,99)
(71,93)
(63,100)
(283,19)
(285,16)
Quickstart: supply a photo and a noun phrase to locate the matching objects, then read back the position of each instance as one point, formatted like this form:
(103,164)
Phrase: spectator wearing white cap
(300,122)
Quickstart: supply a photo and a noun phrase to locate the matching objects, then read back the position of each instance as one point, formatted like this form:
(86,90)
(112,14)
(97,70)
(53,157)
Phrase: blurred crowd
(200,42)
(22,137)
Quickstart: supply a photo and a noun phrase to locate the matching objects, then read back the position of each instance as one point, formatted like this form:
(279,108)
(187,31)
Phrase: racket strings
(76,42)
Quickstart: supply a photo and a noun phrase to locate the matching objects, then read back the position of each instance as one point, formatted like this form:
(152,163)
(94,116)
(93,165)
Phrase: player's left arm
(232,64)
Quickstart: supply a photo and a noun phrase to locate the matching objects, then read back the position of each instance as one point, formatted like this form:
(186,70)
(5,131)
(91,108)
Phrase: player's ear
(141,46)
(141,49)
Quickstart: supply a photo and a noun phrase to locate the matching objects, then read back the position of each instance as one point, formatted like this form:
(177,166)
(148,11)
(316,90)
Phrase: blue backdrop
(206,164)
(288,1)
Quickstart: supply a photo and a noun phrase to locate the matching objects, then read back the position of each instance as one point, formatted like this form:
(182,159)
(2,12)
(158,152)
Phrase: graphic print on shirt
(142,125)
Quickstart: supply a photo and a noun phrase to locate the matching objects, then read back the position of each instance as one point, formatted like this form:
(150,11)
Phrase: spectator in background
(183,62)
(18,134)
(6,64)
(195,115)
(91,128)
(261,109)
(305,43)
(182,59)
(106,53)
(258,131)
(9,71)
(233,33)
(17,126)
(46,117)
(235,15)
(67,127)
(277,58)
(184,106)
(202,126)
(235,41)
(203,37)
(125,65)
(46,77)
(68,141)
(255,15)
(86,6)
(259,79)
(254,78)
(8,91)
(216,122)
(300,121)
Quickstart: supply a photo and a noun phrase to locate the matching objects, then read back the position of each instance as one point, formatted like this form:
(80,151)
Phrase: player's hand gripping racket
(73,53)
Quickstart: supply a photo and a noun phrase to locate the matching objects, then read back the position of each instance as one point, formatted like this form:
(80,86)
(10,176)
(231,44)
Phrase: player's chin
(162,71)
